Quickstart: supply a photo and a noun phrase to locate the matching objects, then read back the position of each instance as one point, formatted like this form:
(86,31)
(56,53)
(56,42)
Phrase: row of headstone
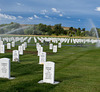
(41,54)
(29,40)
(39,48)
(54,47)
(15,39)
(21,48)
(66,40)
(35,40)
(48,70)
(5,66)
(53,40)
(48,66)
(9,45)
(5,62)
(16,53)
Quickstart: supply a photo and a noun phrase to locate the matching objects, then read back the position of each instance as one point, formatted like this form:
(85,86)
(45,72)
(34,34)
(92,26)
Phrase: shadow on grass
(6,56)
(30,86)
(30,52)
(2,80)
(25,69)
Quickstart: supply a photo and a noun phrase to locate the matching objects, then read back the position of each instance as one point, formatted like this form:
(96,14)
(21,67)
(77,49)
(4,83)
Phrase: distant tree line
(57,29)
(43,29)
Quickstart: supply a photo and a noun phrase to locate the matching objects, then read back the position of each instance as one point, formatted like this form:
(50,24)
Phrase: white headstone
(50,46)
(20,49)
(15,55)
(23,45)
(1,42)
(55,48)
(59,45)
(5,68)
(37,45)
(8,45)
(13,44)
(2,48)
(29,40)
(48,73)
(42,58)
(40,50)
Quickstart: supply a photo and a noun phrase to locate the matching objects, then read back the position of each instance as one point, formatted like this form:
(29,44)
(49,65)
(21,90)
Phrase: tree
(12,23)
(78,32)
(87,33)
(58,29)
(82,33)
(49,30)
(83,29)
(79,29)
(65,32)
(42,27)
(29,31)
(71,28)
(69,32)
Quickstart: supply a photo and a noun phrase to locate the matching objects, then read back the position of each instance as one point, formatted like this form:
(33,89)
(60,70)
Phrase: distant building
(66,28)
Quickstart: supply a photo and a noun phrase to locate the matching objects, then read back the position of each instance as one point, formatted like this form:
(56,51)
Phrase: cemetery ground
(76,68)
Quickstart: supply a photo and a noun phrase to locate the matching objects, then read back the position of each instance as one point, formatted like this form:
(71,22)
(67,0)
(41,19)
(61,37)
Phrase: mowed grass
(76,68)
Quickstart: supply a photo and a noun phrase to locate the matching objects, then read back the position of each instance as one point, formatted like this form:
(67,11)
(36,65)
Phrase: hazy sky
(76,13)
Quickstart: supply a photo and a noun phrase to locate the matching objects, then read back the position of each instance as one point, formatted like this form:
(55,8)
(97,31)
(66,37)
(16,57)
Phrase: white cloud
(97,9)
(44,11)
(60,15)
(79,20)
(55,10)
(20,17)
(30,18)
(47,16)
(18,4)
(36,16)
(4,16)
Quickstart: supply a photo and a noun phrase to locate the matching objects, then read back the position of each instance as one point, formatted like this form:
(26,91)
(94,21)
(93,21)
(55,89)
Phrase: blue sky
(76,13)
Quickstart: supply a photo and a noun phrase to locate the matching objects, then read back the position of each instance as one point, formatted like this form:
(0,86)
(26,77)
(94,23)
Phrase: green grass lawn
(76,68)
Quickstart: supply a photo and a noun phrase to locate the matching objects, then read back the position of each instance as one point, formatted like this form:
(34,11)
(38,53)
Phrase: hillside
(43,29)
